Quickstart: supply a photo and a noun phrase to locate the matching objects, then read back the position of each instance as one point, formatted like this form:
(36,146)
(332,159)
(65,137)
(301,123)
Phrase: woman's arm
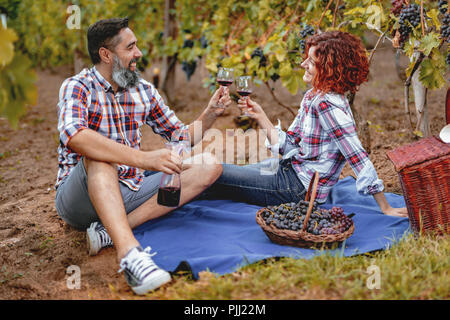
(255,111)
(341,129)
(386,207)
(277,140)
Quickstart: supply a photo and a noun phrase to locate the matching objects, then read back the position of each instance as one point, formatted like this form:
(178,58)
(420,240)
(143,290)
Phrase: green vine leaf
(429,42)
(432,71)
(17,81)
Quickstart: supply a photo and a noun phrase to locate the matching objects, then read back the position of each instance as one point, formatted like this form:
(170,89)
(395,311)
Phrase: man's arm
(165,123)
(76,134)
(94,146)
(216,106)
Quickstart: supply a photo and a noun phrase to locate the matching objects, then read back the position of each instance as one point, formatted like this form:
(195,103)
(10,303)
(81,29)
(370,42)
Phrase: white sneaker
(141,273)
(97,238)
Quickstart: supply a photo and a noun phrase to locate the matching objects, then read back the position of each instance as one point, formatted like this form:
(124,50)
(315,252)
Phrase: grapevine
(265,39)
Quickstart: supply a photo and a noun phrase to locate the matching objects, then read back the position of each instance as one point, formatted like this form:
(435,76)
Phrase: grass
(414,268)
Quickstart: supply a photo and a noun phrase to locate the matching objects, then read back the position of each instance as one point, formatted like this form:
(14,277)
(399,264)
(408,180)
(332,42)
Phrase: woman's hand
(219,101)
(254,110)
(396,212)
(386,207)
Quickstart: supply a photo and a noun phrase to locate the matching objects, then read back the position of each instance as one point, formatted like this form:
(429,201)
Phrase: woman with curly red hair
(322,137)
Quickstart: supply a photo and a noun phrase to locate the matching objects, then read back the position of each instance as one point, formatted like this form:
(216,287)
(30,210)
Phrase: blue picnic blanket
(221,235)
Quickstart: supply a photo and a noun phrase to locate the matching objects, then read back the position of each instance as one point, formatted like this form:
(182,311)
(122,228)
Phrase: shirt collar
(103,82)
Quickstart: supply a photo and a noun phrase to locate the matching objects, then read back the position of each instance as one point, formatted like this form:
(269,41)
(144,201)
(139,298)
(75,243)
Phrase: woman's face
(310,65)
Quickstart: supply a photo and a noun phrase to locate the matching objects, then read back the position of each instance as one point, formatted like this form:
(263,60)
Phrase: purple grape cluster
(304,33)
(409,19)
(445,28)
(262,58)
(397,6)
(443,5)
(291,216)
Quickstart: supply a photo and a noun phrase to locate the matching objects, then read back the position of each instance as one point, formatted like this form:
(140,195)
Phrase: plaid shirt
(87,100)
(321,138)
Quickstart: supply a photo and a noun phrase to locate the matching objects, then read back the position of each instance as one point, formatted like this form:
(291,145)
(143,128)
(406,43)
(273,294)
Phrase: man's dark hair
(104,33)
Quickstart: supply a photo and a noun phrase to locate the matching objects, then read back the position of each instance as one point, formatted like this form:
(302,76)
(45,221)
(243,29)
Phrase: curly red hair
(341,62)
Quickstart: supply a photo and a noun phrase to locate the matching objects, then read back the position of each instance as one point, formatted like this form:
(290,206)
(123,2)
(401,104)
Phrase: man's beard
(124,77)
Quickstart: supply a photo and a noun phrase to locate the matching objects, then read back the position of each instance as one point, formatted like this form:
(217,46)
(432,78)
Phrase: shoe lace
(105,239)
(139,264)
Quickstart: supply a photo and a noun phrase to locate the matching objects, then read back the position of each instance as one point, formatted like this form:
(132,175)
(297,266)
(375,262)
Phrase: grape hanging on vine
(188,68)
(445,28)
(443,6)
(397,6)
(304,33)
(409,18)
(262,58)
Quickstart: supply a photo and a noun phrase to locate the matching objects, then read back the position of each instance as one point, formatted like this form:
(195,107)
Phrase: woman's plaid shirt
(87,100)
(321,138)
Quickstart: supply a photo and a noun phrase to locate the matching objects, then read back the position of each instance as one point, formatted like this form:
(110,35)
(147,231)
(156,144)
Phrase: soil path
(36,246)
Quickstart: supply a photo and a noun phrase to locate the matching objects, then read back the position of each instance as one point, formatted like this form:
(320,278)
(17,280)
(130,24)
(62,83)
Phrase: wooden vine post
(169,62)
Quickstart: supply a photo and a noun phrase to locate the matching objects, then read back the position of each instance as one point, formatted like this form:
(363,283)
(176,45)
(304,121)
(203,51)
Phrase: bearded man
(100,185)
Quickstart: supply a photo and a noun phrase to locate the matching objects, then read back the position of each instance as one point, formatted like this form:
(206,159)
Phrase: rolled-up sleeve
(285,144)
(163,120)
(72,110)
(341,129)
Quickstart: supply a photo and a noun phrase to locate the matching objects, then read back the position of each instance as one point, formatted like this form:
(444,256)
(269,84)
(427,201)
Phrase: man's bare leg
(105,195)
(197,177)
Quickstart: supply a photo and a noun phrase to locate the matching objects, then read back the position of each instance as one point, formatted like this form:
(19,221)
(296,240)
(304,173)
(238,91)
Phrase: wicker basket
(302,238)
(424,171)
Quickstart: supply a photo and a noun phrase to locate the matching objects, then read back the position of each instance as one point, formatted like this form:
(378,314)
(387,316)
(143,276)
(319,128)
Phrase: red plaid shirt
(322,138)
(87,100)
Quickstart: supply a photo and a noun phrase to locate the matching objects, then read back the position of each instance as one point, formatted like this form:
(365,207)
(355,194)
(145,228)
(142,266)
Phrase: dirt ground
(36,246)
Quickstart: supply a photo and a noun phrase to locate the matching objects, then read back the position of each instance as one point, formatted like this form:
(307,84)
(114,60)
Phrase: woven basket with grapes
(304,224)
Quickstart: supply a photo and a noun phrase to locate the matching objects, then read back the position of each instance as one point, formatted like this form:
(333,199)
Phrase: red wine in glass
(244,88)
(169,196)
(225,83)
(244,93)
(225,76)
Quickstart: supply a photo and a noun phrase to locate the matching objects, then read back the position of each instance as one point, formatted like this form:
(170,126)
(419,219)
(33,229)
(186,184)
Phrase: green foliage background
(233,30)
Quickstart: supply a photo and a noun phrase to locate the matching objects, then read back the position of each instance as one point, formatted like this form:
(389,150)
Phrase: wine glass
(244,89)
(225,76)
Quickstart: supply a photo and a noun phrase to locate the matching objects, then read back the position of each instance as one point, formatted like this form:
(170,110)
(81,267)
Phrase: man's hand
(163,160)
(219,101)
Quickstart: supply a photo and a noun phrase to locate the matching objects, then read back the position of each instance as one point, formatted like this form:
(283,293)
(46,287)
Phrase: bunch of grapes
(291,216)
(409,18)
(203,42)
(445,29)
(188,43)
(275,77)
(262,58)
(443,6)
(307,31)
(188,68)
(447,60)
(397,6)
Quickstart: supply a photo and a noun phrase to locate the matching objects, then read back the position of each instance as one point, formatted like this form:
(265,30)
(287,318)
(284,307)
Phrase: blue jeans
(249,184)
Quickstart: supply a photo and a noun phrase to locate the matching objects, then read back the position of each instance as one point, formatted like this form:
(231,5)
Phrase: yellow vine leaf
(7,37)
